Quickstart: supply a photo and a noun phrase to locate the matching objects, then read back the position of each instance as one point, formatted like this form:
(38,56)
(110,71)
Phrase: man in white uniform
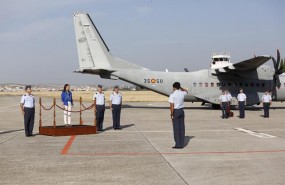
(241,103)
(224,101)
(267,101)
(27,106)
(99,101)
(176,100)
(115,106)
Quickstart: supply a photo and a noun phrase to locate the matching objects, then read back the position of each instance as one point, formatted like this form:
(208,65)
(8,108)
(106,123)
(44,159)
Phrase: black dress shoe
(32,135)
(119,128)
(175,147)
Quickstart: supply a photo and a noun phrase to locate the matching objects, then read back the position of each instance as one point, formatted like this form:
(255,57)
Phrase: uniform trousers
(224,109)
(29,119)
(100,110)
(178,127)
(116,113)
(241,109)
(266,109)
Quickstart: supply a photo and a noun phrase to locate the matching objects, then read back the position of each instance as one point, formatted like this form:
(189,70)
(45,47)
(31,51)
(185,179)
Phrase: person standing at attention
(67,102)
(241,103)
(27,106)
(99,102)
(267,101)
(115,106)
(176,100)
(224,101)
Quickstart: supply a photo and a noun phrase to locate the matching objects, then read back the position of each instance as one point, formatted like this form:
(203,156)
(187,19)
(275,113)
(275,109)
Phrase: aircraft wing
(246,65)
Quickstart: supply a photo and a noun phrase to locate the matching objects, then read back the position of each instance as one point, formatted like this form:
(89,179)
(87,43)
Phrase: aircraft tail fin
(93,52)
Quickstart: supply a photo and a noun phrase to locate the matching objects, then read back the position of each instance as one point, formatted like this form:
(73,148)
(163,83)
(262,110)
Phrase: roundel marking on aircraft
(153,81)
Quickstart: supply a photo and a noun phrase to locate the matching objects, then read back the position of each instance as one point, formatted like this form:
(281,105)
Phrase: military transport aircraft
(204,85)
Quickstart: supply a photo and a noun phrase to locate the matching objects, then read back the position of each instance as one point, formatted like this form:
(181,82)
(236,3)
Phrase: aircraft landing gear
(216,106)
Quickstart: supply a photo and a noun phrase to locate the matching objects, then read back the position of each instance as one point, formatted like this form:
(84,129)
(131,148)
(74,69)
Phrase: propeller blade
(274,63)
(278,58)
(277,81)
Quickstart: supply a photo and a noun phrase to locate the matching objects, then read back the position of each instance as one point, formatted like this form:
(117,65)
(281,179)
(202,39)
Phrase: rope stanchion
(80,129)
(80,114)
(54,106)
(95,122)
(54,122)
(40,102)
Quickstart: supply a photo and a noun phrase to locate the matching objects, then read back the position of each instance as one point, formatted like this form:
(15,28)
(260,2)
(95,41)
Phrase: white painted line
(257,134)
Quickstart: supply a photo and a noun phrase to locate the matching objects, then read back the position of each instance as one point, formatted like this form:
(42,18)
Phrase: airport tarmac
(218,151)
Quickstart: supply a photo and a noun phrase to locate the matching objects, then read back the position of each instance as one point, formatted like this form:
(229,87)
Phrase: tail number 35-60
(153,81)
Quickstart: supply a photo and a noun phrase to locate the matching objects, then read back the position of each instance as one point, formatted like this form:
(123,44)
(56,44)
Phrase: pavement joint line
(175,153)
(154,131)
(157,151)
(5,140)
(10,106)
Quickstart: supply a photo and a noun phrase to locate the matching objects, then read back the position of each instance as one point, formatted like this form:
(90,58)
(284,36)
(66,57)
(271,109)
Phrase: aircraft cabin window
(246,84)
(206,84)
(252,84)
(240,84)
(194,84)
(212,84)
(200,84)
(218,84)
(229,84)
(257,84)
(263,85)
(223,84)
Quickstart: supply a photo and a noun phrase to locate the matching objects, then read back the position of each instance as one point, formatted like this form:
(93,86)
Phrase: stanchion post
(80,119)
(40,102)
(54,106)
(95,122)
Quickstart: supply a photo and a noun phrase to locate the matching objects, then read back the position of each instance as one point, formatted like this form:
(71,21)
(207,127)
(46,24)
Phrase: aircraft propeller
(279,69)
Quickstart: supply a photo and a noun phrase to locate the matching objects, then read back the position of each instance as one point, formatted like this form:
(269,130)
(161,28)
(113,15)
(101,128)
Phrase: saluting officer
(224,101)
(116,105)
(99,101)
(241,103)
(267,101)
(176,100)
(27,106)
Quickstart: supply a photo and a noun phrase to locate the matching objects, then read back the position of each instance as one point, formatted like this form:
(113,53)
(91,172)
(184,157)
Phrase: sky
(37,39)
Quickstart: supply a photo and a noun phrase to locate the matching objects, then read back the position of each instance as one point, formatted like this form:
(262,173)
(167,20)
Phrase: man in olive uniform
(176,100)
(27,106)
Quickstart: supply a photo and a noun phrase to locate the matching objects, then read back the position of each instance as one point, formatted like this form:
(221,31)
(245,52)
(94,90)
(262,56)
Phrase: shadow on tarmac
(11,131)
(187,140)
(122,127)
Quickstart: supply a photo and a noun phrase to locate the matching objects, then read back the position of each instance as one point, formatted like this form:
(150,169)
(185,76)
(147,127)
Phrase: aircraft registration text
(153,81)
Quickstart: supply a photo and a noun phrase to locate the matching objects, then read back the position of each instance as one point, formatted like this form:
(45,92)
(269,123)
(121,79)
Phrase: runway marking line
(64,151)
(257,134)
